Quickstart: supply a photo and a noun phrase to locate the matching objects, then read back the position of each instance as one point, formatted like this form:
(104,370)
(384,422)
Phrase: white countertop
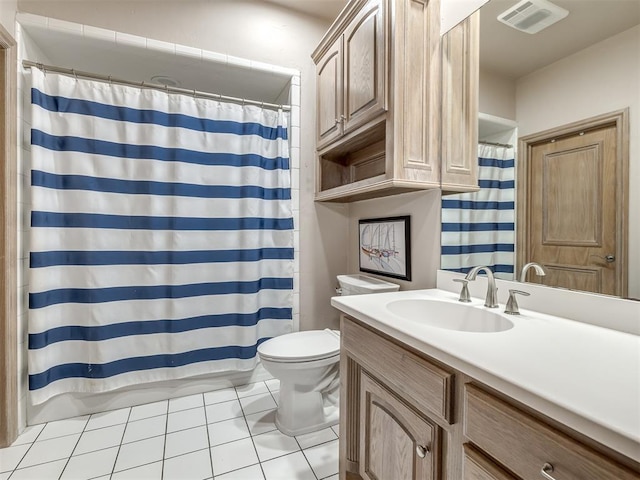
(584,376)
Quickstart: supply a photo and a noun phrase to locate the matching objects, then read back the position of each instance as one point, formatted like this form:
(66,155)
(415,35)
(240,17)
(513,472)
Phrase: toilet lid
(301,346)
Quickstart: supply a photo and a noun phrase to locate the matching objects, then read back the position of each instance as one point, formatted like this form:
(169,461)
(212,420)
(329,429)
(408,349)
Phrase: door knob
(607,258)
(422,450)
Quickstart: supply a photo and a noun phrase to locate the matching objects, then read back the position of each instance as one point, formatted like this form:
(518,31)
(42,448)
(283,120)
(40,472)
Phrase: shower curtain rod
(494,144)
(154,86)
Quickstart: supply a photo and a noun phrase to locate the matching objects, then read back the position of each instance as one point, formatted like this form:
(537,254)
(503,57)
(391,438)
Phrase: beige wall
(600,79)
(8,15)
(258,31)
(497,95)
(424,209)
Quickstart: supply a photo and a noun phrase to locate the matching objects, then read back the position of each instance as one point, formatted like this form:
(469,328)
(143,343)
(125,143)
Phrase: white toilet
(307,365)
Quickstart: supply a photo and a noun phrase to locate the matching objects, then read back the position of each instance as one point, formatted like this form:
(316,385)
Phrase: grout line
(307,460)
(121,439)
(74,447)
(206,427)
(25,454)
(244,417)
(164,445)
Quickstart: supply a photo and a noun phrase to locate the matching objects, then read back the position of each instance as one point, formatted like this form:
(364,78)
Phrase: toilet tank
(359,284)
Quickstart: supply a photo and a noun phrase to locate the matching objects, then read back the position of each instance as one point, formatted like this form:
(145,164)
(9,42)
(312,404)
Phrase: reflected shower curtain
(479,228)
(161,235)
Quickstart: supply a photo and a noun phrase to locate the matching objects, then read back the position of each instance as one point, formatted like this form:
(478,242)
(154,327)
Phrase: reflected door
(572,212)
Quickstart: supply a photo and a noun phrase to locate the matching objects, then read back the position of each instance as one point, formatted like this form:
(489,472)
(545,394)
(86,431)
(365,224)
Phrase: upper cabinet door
(329,94)
(364,65)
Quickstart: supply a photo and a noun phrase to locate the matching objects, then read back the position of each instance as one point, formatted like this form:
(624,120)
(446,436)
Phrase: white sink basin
(450,316)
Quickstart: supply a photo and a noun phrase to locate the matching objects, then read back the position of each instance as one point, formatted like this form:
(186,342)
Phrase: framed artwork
(385,246)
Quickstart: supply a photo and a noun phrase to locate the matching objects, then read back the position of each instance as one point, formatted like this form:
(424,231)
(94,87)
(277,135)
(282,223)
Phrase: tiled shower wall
(29,50)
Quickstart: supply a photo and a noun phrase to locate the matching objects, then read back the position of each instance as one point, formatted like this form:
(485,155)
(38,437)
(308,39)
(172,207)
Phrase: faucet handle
(512,304)
(464,293)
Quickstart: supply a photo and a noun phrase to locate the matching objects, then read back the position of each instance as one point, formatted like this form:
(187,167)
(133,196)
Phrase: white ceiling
(325,9)
(503,50)
(511,53)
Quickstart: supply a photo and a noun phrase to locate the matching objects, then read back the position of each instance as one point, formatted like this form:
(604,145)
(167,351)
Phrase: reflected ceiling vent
(531,16)
(165,80)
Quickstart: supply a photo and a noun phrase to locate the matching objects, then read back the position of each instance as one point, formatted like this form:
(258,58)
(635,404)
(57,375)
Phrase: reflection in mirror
(585,66)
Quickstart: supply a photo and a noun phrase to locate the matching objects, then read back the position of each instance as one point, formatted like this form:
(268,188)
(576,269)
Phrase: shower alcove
(137,59)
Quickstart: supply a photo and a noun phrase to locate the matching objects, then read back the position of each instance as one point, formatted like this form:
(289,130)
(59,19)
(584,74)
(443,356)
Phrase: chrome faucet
(536,266)
(492,292)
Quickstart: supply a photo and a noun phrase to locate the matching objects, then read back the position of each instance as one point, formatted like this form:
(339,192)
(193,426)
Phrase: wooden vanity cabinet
(388,435)
(526,445)
(406,416)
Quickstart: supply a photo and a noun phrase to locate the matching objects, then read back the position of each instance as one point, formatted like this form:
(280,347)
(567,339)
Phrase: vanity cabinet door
(329,94)
(395,442)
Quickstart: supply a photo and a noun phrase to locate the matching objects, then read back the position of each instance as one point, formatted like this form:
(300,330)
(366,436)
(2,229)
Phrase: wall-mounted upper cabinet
(379,101)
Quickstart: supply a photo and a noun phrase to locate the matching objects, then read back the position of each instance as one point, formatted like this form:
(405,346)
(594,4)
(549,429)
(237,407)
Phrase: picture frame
(384,246)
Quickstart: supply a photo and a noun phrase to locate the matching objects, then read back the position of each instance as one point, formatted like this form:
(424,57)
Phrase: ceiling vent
(531,16)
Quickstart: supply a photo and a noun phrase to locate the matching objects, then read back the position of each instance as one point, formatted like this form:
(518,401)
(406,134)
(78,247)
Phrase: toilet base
(304,412)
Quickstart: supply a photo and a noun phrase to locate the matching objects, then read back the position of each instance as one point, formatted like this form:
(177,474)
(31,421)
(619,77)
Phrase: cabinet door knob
(422,450)
(547,468)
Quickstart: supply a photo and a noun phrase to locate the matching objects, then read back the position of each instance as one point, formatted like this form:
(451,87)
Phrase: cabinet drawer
(523,444)
(478,467)
(421,382)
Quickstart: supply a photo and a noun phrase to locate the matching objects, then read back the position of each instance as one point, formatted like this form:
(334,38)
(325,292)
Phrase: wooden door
(364,66)
(329,94)
(395,442)
(572,211)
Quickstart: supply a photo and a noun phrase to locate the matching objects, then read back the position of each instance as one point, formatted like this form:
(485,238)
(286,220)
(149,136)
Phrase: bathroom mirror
(530,83)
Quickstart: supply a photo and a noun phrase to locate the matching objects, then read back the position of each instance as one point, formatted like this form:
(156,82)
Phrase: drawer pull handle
(422,450)
(547,468)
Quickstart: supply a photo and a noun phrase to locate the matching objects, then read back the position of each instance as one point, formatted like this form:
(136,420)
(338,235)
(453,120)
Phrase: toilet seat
(299,347)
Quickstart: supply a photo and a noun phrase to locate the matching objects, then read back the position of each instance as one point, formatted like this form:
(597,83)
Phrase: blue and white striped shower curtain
(161,235)
(479,228)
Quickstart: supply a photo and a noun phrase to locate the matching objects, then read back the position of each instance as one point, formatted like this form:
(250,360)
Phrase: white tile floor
(226,434)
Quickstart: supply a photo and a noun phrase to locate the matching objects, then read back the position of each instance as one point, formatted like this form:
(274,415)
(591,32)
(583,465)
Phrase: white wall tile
(189,51)
(214,57)
(295,137)
(55,24)
(295,116)
(161,46)
(239,62)
(132,40)
(99,33)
